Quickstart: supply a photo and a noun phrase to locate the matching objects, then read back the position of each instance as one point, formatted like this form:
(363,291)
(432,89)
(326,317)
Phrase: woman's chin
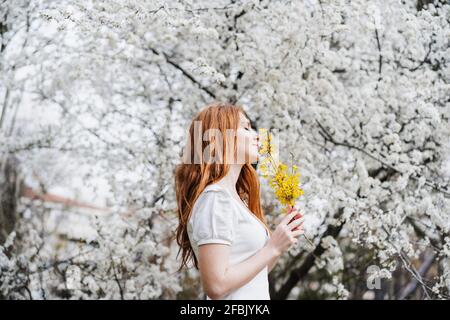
(254,159)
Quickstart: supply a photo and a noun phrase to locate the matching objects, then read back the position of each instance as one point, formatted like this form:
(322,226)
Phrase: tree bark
(10,186)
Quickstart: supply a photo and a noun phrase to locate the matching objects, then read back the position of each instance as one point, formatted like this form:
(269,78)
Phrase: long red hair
(192,178)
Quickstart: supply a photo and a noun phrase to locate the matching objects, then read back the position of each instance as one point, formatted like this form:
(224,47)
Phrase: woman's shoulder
(213,218)
(214,198)
(214,190)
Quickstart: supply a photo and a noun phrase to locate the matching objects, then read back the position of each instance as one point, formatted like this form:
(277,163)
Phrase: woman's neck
(230,179)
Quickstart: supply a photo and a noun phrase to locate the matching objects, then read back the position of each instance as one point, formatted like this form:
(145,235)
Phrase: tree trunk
(9,194)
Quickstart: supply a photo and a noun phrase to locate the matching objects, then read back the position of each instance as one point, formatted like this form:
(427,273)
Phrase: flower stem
(310,242)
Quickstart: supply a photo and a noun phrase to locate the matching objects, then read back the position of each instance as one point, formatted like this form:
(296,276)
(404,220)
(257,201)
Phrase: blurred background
(96,98)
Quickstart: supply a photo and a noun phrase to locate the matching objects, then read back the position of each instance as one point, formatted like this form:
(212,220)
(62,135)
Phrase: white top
(218,217)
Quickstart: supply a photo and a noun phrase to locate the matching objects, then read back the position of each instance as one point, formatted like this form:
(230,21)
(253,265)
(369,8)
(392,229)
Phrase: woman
(222,227)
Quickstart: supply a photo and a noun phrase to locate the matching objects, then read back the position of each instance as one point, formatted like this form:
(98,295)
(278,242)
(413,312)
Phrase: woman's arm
(219,278)
(272,264)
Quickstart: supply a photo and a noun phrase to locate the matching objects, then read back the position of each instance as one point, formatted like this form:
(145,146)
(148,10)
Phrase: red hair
(192,178)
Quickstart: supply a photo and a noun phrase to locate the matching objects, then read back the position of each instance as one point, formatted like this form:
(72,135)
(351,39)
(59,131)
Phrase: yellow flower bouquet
(284,181)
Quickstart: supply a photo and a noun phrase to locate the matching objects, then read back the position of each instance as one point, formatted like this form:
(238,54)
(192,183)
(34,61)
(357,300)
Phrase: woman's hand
(286,232)
(297,216)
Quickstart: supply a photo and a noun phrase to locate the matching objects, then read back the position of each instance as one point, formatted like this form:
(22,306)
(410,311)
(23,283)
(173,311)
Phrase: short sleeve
(213,218)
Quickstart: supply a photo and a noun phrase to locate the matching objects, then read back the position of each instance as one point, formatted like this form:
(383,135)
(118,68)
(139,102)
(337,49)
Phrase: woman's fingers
(298,232)
(296,222)
(299,227)
(291,213)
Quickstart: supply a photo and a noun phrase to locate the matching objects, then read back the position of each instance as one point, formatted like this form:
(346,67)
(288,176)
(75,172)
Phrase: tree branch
(412,286)
(345,143)
(184,72)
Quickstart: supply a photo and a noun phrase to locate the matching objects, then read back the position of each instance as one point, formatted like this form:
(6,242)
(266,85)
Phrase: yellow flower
(284,182)
(266,143)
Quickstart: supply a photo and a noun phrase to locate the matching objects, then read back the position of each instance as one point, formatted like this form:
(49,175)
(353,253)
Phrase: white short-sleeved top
(217,217)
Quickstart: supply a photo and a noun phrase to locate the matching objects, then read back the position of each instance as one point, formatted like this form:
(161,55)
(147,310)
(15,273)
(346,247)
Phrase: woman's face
(247,142)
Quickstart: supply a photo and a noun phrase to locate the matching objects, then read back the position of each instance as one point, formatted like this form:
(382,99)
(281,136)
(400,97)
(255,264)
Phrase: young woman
(222,227)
